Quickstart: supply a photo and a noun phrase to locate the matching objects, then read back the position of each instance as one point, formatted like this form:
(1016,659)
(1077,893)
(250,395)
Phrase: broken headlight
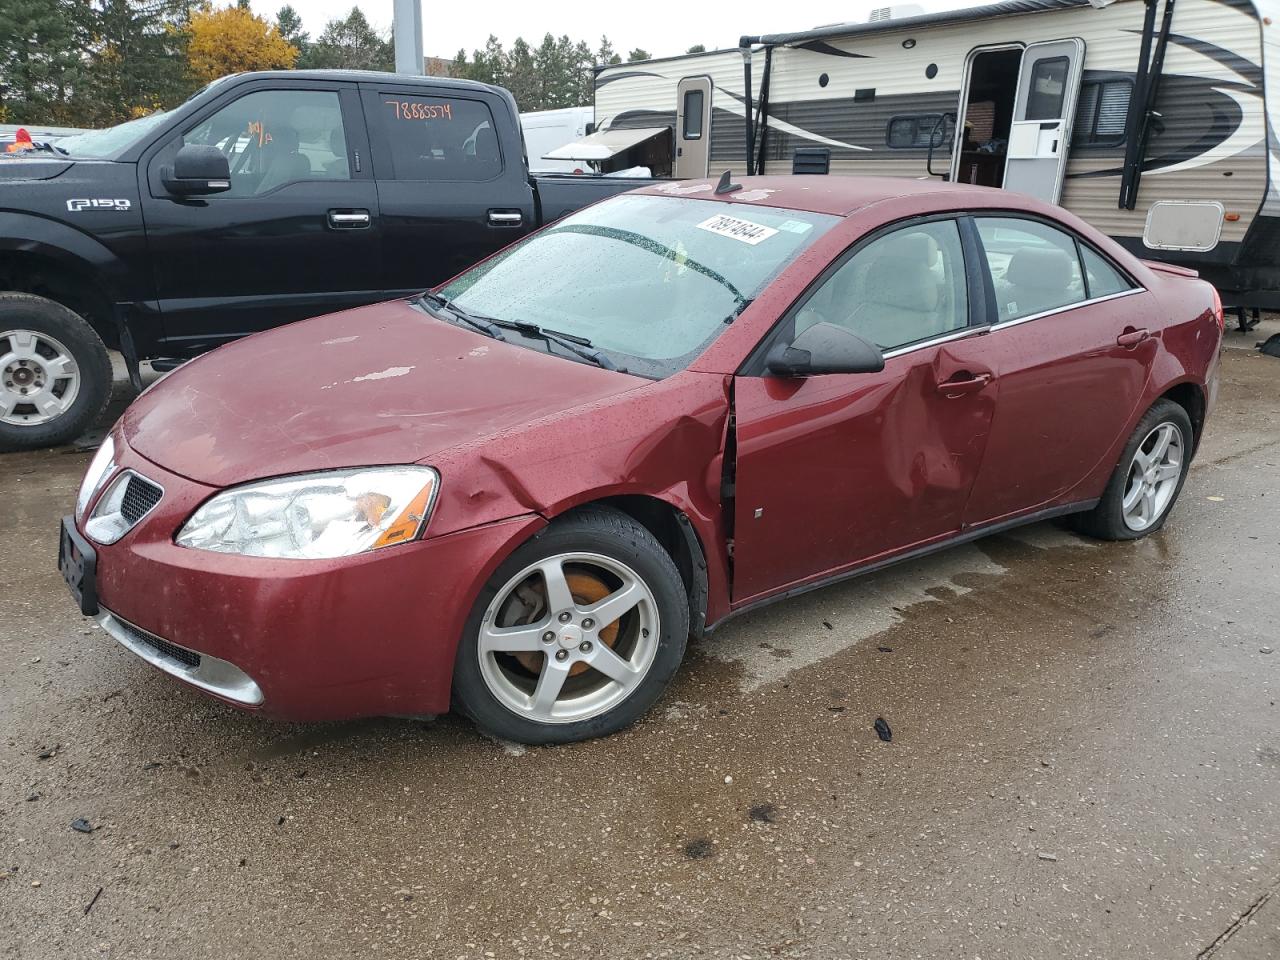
(316,515)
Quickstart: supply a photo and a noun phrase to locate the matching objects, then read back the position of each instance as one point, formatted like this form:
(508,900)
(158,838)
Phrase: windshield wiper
(579,346)
(485,325)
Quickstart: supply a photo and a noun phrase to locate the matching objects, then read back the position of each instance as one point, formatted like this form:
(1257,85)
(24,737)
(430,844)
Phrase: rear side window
(1103,278)
(440,138)
(693,101)
(1034,267)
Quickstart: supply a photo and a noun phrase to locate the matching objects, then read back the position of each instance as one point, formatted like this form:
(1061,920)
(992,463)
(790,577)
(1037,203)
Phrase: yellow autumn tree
(232,40)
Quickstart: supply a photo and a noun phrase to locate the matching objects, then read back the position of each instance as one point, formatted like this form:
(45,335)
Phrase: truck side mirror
(824,348)
(198,169)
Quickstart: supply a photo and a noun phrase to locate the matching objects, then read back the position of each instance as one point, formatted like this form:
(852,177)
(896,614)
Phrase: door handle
(965,384)
(506,218)
(1131,338)
(349,219)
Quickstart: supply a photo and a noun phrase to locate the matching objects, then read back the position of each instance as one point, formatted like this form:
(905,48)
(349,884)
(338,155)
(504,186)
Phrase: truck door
(693,127)
(295,236)
(451,176)
(1043,108)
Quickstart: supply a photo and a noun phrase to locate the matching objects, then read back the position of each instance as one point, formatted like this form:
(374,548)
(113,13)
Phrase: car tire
(40,339)
(1145,485)
(555,690)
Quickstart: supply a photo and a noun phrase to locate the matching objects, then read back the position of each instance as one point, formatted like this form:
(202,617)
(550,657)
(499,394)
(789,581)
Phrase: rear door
(693,127)
(1044,107)
(451,178)
(295,236)
(1073,349)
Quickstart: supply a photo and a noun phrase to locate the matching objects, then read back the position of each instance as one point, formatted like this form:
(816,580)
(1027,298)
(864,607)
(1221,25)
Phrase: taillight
(1217,309)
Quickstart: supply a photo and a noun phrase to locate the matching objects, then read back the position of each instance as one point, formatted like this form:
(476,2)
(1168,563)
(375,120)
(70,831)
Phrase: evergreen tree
(522,77)
(351,44)
(697,48)
(606,55)
(41,59)
(490,64)
(289,26)
(137,60)
(460,66)
(638,54)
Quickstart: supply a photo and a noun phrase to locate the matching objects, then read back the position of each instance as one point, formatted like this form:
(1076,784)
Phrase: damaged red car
(523,492)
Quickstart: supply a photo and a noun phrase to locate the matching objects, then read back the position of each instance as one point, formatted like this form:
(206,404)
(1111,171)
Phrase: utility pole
(406,31)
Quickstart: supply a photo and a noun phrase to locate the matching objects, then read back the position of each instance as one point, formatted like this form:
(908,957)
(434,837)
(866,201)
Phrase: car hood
(376,385)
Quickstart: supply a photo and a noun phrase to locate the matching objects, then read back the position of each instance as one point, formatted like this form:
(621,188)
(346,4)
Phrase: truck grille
(140,495)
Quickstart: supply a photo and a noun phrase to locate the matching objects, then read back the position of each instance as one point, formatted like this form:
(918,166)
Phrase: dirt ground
(1085,763)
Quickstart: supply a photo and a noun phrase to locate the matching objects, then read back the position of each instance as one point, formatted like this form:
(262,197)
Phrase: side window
(692,115)
(1033,266)
(900,288)
(435,138)
(1103,278)
(275,137)
(915,131)
(1102,112)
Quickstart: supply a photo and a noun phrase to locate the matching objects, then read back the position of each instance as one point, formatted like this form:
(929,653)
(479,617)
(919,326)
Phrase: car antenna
(724,186)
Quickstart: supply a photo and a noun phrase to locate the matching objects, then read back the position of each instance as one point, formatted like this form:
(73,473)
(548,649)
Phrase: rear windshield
(649,280)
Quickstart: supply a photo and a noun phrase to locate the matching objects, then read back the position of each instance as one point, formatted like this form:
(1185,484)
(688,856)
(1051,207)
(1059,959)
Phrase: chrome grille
(140,496)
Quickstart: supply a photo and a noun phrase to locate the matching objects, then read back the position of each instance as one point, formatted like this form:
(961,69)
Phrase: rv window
(435,138)
(1102,112)
(1048,84)
(914,131)
(692,115)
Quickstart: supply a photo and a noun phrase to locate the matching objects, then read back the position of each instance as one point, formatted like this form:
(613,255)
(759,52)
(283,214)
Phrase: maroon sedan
(521,493)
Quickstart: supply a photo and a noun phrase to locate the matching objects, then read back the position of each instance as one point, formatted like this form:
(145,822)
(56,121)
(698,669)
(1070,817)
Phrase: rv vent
(880,13)
(811,160)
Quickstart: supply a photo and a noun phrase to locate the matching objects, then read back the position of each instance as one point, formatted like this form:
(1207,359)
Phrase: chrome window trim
(959,334)
(212,675)
(1003,324)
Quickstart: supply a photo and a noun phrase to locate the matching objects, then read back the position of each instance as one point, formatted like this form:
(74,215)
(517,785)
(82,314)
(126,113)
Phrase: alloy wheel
(39,378)
(1153,477)
(568,638)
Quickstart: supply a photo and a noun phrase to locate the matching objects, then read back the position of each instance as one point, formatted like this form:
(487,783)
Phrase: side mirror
(198,169)
(825,348)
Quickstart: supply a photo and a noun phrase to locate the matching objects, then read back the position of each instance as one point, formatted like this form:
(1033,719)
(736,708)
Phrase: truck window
(440,138)
(276,137)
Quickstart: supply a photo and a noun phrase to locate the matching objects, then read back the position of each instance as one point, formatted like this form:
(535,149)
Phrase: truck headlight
(337,513)
(100,468)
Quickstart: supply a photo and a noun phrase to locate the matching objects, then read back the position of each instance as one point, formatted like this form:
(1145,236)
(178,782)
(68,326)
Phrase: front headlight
(100,468)
(316,515)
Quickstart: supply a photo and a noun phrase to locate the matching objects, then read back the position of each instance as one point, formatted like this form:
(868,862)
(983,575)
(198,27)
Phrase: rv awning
(604,145)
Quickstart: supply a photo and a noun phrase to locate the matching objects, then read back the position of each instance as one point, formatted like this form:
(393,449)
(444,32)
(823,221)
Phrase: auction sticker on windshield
(743,230)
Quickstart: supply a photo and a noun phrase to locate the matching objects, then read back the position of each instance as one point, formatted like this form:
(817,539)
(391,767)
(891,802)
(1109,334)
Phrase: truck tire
(55,375)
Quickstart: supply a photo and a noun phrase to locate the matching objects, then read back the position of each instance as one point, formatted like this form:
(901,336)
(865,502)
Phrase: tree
(41,62)
(522,77)
(289,26)
(638,54)
(460,66)
(351,44)
(606,54)
(490,64)
(233,40)
(137,60)
(697,48)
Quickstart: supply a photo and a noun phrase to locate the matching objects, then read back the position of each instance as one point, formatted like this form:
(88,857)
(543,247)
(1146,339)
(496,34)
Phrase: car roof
(359,76)
(838,195)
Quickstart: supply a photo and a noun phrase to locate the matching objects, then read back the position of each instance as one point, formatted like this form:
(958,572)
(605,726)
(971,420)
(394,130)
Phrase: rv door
(1048,86)
(693,127)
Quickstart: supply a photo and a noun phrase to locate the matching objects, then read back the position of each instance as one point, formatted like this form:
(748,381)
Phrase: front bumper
(369,635)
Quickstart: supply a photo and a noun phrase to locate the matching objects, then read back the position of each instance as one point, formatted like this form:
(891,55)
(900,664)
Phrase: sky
(448,27)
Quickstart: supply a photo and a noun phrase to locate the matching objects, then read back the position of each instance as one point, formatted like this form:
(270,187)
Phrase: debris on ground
(81,825)
(882,730)
(1265,650)
(49,753)
(89,906)
(885,649)
(699,849)
(827,624)
(763,813)
(1051,857)
(836,709)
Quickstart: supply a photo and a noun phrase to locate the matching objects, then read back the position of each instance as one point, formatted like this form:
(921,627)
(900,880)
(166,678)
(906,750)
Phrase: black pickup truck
(264,199)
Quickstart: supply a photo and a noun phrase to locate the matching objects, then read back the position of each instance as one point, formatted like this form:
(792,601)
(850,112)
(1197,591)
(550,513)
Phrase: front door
(295,236)
(1043,108)
(842,469)
(693,127)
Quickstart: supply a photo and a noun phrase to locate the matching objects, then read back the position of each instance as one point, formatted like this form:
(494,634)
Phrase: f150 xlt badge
(77,204)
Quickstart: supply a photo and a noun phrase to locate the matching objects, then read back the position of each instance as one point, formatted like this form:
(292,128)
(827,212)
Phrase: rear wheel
(55,375)
(1148,478)
(576,635)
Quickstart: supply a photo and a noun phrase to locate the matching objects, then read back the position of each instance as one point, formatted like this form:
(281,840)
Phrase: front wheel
(576,635)
(1148,478)
(55,375)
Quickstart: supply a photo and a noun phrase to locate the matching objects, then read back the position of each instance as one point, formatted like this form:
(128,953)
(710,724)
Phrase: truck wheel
(55,375)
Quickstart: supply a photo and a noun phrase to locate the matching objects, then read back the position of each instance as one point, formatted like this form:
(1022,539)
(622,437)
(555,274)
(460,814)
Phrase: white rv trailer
(1148,118)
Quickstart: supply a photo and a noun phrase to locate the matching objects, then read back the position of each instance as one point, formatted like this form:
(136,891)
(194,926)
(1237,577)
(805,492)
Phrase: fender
(69,247)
